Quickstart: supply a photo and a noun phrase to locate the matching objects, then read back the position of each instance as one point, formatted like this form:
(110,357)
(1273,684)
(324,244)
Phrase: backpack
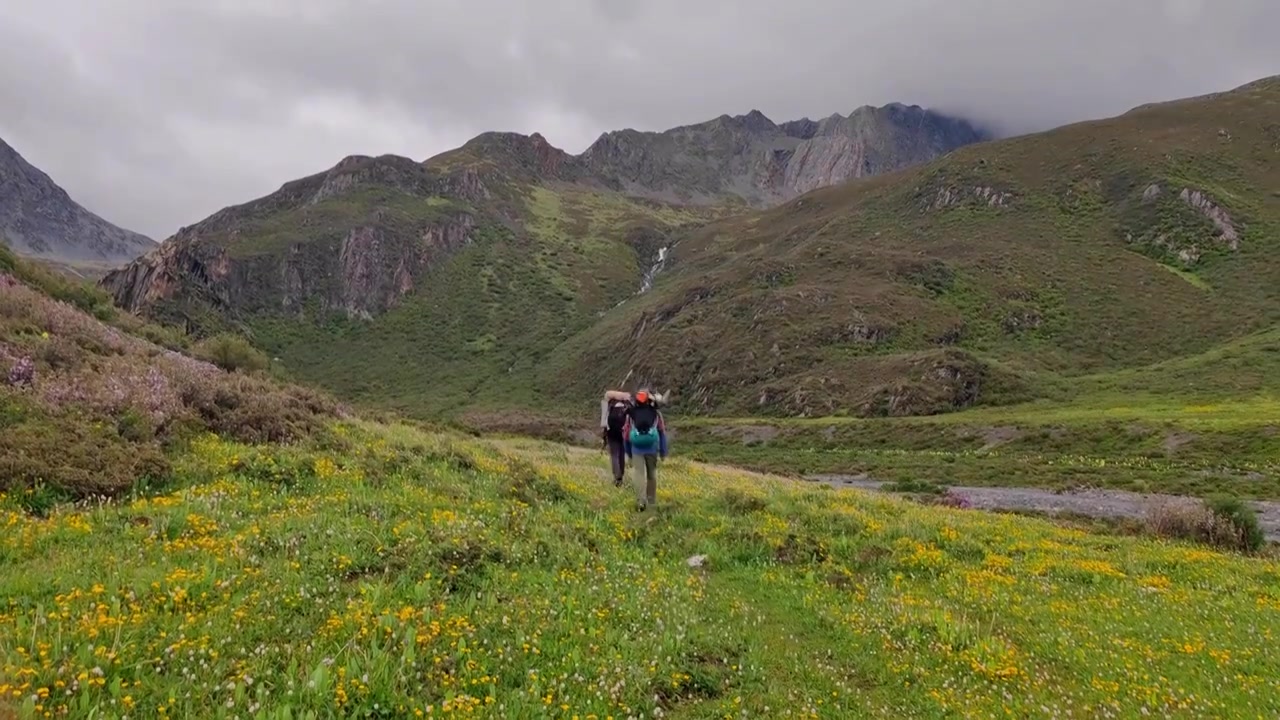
(644,426)
(617,418)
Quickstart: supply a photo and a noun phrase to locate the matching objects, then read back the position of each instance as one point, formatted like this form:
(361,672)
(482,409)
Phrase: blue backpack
(644,427)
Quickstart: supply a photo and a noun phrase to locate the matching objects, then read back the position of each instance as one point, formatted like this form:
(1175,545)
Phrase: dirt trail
(1094,503)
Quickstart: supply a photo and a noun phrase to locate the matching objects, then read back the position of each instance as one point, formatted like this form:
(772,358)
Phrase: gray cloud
(156,114)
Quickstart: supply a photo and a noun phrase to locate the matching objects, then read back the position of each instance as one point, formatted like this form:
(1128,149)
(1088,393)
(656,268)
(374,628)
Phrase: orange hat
(642,396)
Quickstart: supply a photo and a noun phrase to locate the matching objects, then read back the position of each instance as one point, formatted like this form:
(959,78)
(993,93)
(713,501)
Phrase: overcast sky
(156,113)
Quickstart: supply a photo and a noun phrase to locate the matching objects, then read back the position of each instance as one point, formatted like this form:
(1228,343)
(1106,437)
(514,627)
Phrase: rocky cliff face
(354,239)
(763,163)
(39,219)
(365,273)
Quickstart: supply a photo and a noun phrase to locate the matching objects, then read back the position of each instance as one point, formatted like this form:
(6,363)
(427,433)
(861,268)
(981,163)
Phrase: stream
(1093,503)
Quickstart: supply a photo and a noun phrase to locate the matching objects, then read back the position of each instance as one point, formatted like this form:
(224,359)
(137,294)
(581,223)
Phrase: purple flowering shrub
(951,498)
(114,385)
(18,370)
(22,373)
(97,403)
(27,312)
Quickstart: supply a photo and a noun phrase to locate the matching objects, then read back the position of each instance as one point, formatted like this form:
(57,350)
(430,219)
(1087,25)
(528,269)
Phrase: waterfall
(654,269)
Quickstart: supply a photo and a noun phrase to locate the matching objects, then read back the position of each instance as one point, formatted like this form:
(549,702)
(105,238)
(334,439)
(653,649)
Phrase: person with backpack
(645,434)
(613,417)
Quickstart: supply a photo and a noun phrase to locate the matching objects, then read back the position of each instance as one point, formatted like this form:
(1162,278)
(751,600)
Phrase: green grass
(1189,277)
(386,572)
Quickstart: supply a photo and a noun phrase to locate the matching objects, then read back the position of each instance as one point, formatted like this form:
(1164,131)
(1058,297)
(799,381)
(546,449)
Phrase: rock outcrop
(1224,226)
(39,219)
(752,158)
(364,274)
(354,239)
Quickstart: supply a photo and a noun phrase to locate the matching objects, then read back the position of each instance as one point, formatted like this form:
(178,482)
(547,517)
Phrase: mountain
(507,274)
(1011,270)
(38,219)
(462,272)
(750,157)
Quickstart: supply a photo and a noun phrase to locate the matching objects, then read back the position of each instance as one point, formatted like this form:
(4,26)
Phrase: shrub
(739,502)
(231,353)
(21,373)
(28,311)
(135,426)
(949,498)
(253,410)
(1181,519)
(61,353)
(1241,518)
(73,459)
(165,336)
(1221,522)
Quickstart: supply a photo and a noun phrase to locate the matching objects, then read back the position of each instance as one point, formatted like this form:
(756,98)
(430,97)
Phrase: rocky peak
(756,121)
(751,157)
(611,142)
(804,128)
(356,171)
(351,161)
(38,218)
(828,124)
(525,153)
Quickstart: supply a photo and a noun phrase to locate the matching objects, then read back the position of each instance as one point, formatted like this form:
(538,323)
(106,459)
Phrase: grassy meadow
(382,571)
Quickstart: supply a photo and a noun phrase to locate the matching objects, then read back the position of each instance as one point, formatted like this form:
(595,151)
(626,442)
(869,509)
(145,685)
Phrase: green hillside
(995,274)
(482,321)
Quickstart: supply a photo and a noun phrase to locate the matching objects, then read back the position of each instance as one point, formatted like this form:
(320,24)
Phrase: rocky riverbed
(1097,503)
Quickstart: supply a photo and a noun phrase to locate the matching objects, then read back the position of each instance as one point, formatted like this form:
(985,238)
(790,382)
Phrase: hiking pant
(618,454)
(646,480)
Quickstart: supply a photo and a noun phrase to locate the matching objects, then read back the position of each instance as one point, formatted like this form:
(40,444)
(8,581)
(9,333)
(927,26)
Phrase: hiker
(645,434)
(613,417)
(613,414)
